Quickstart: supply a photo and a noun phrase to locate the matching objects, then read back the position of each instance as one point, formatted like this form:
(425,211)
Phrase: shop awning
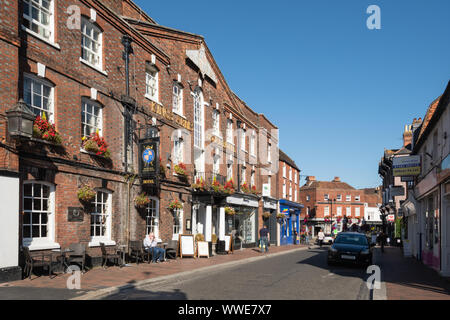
(291,204)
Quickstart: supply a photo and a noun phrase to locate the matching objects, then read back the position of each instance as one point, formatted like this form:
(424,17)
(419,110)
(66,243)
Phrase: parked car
(328,239)
(351,247)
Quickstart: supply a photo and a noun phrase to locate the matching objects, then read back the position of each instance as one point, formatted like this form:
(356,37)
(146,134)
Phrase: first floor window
(151,84)
(91,118)
(100,217)
(326,211)
(339,211)
(37,209)
(348,211)
(216,123)
(38,94)
(91,43)
(229,172)
(357,212)
(178,151)
(177,98)
(152,217)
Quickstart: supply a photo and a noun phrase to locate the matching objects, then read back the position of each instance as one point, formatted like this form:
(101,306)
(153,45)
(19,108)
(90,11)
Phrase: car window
(351,239)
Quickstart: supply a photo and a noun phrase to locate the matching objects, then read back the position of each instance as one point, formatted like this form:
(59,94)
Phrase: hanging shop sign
(406,166)
(149,161)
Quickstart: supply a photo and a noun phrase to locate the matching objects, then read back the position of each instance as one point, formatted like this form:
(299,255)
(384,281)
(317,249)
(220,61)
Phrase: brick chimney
(407,135)
(336,179)
(310,178)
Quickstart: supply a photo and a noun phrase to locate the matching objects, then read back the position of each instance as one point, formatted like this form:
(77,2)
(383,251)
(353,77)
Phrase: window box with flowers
(230,211)
(96,145)
(180,169)
(229,187)
(43,129)
(245,188)
(86,194)
(217,187)
(199,185)
(254,191)
(141,200)
(281,216)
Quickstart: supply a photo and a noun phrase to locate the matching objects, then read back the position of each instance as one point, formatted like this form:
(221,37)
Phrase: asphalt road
(292,276)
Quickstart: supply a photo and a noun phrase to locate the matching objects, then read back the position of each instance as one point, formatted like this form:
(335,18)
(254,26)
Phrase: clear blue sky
(339,92)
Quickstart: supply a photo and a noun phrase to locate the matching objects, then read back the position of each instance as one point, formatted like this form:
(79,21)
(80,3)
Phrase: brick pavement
(99,278)
(409,279)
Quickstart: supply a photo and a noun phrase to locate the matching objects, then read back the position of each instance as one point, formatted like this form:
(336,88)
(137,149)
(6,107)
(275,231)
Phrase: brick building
(104,71)
(288,180)
(328,202)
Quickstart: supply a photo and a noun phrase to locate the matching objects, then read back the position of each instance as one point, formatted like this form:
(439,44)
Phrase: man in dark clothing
(264,239)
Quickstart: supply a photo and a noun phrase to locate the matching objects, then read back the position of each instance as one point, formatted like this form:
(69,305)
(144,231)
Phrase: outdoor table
(122,249)
(62,255)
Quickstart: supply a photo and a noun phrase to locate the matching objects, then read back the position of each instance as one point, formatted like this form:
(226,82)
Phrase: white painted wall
(9,226)
(372,212)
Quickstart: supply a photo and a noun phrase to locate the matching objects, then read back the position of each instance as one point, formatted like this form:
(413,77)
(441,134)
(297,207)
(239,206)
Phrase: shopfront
(243,224)
(269,217)
(291,222)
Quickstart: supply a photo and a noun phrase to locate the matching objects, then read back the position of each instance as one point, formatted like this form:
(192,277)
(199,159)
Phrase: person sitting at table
(151,245)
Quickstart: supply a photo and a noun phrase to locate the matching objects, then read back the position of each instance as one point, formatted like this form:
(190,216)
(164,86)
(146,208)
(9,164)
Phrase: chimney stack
(310,178)
(407,135)
(337,179)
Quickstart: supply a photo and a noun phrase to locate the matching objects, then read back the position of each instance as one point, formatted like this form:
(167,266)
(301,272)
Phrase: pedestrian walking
(264,239)
(294,232)
(321,236)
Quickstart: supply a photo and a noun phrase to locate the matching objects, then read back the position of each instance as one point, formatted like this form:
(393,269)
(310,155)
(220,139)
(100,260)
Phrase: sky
(338,92)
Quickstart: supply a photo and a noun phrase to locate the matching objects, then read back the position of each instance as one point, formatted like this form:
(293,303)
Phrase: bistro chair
(112,256)
(137,251)
(44,260)
(172,249)
(78,255)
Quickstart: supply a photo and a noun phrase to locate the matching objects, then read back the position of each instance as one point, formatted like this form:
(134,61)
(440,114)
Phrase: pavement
(99,282)
(401,278)
(407,278)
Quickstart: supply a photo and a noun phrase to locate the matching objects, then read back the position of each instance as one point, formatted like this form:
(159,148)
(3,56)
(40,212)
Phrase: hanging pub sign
(149,161)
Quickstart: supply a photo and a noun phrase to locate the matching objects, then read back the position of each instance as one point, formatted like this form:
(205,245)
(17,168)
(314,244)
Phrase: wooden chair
(172,249)
(112,256)
(37,260)
(78,255)
(137,251)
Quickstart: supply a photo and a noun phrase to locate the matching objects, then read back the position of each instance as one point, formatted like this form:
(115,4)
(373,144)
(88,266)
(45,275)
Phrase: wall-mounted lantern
(20,120)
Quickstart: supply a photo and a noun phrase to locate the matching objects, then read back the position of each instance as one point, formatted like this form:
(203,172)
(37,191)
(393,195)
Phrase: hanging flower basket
(180,169)
(254,191)
(230,211)
(266,215)
(281,216)
(45,130)
(96,144)
(86,194)
(175,204)
(217,187)
(142,200)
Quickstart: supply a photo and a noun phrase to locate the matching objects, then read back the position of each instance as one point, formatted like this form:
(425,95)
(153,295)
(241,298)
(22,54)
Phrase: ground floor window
(177,223)
(37,210)
(152,217)
(242,225)
(101,216)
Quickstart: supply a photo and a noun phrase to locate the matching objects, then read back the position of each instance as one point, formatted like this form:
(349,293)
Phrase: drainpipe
(126,41)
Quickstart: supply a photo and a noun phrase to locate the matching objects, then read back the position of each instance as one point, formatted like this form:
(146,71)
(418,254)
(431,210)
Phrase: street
(292,276)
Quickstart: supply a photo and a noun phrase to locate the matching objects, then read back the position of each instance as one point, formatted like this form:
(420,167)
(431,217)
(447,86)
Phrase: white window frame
(177,98)
(326,211)
(216,165)
(99,121)
(269,156)
(175,235)
(243,140)
(348,198)
(339,211)
(230,131)
(229,171)
(48,242)
(339,197)
(243,175)
(148,227)
(152,82)
(295,193)
(284,190)
(290,193)
(284,170)
(85,23)
(106,237)
(348,211)
(199,120)
(357,198)
(308,198)
(357,212)
(51,26)
(50,99)
(178,151)
(326,197)
(252,179)
(216,122)
(290,174)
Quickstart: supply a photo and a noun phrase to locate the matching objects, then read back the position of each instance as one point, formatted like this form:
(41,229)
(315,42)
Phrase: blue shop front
(291,221)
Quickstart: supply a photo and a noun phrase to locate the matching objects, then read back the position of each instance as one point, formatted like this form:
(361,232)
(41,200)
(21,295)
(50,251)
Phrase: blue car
(351,247)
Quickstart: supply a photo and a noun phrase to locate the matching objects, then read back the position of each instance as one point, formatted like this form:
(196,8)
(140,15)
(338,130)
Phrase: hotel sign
(149,161)
(406,166)
(169,115)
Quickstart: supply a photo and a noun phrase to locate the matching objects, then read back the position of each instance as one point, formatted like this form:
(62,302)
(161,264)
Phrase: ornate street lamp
(20,121)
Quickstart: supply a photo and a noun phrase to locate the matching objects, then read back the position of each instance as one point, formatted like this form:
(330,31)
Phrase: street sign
(406,166)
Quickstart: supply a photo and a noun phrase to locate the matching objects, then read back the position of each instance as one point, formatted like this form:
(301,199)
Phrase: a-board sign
(228,243)
(186,243)
(202,249)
